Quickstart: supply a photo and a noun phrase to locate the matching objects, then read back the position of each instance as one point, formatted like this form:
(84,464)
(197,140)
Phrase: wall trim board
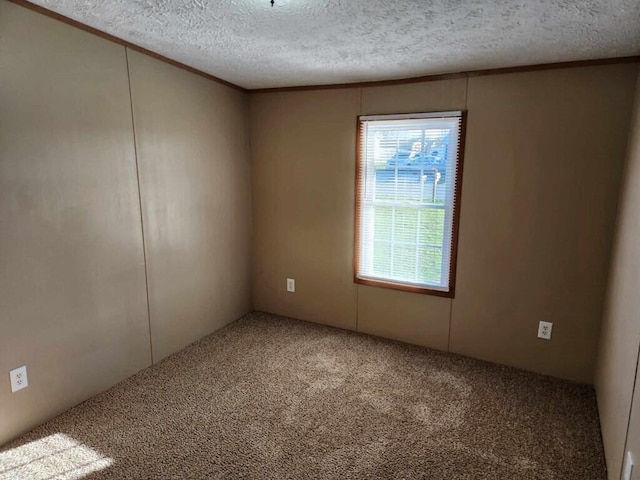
(456,75)
(124,43)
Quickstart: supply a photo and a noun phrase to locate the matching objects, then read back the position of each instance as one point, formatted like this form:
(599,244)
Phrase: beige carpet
(273,398)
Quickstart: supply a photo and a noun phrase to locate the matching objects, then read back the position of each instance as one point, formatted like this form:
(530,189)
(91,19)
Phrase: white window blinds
(407,180)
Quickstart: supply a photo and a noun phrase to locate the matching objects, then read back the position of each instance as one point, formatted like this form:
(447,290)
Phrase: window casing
(408,177)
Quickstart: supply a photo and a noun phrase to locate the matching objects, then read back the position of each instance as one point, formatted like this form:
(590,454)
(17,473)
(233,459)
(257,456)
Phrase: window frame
(455,226)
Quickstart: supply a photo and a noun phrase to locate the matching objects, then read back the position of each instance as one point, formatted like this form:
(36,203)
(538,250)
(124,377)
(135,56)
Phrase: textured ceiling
(312,42)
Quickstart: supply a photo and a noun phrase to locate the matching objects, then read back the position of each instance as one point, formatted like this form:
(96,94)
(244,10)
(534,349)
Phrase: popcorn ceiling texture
(311,42)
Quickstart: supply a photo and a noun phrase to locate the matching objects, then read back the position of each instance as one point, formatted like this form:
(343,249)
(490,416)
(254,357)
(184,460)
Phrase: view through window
(407,188)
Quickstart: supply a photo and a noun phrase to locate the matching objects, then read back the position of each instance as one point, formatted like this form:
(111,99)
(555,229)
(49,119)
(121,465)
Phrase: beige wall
(73,304)
(542,170)
(192,144)
(543,159)
(72,286)
(303,190)
(620,336)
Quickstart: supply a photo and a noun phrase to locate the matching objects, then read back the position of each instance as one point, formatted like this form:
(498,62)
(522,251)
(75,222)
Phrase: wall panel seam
(144,243)
(452,301)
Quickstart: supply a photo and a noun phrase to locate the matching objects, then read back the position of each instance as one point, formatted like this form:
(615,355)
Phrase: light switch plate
(19,378)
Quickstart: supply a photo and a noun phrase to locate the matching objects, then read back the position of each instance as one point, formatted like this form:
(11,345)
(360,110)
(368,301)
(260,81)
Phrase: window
(408,176)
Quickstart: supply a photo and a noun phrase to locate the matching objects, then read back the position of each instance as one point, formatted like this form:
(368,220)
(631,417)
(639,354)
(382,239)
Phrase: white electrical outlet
(291,285)
(627,471)
(19,378)
(544,330)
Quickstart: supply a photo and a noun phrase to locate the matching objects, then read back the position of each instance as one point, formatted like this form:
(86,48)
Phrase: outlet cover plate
(19,378)
(291,285)
(544,330)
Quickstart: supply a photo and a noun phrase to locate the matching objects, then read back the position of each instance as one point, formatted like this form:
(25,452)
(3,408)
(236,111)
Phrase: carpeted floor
(272,398)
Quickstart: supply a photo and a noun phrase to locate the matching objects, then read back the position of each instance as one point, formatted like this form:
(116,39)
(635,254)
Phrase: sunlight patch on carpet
(56,456)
